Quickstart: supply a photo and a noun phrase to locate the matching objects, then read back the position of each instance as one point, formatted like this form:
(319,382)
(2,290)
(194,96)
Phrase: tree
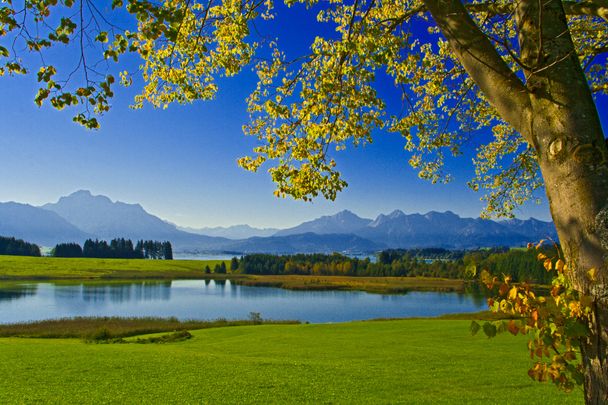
(18,247)
(520,77)
(139,250)
(234,264)
(167,250)
(220,268)
(67,250)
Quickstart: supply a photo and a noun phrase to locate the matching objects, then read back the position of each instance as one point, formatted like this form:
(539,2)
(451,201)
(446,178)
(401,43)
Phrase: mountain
(344,222)
(99,216)
(36,225)
(81,215)
(305,243)
(232,232)
(448,230)
(104,219)
(532,226)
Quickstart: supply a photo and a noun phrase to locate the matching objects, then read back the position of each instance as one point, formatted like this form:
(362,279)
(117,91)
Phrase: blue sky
(180,163)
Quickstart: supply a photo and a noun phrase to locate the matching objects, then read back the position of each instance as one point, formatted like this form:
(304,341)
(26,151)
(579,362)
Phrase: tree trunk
(559,118)
(576,181)
(573,158)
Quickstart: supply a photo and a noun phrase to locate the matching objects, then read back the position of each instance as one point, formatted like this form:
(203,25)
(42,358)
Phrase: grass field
(386,285)
(56,268)
(411,361)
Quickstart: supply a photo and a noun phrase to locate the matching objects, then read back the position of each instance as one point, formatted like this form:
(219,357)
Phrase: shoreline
(22,269)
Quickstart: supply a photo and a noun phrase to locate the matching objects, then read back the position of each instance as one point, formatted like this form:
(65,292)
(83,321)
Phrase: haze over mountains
(231,232)
(82,215)
(33,224)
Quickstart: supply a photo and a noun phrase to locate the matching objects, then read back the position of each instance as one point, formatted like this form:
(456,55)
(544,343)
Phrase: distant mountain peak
(82,196)
(343,222)
(100,216)
(396,214)
(446,215)
(81,193)
(345,213)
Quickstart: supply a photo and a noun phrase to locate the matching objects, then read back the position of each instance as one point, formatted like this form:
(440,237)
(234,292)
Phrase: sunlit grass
(53,268)
(412,361)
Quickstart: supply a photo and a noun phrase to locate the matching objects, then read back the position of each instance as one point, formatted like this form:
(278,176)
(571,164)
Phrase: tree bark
(572,155)
(560,119)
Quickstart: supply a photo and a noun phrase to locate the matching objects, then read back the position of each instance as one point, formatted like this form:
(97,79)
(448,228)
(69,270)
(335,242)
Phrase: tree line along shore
(393,271)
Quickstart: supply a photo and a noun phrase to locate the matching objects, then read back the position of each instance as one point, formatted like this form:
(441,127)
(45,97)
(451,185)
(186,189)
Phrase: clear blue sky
(180,163)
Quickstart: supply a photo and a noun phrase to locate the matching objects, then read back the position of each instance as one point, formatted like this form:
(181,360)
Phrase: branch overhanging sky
(180,163)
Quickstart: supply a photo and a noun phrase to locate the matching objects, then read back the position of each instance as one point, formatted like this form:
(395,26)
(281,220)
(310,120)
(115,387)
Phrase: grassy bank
(57,268)
(412,361)
(385,285)
(115,327)
(19,268)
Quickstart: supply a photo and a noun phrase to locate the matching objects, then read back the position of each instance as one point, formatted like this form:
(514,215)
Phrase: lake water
(208,299)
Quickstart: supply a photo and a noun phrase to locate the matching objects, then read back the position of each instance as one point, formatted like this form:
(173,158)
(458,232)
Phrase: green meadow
(406,361)
(398,361)
(55,268)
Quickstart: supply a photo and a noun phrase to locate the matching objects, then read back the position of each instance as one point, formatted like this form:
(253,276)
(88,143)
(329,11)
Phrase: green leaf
(489,329)
(575,329)
(474,328)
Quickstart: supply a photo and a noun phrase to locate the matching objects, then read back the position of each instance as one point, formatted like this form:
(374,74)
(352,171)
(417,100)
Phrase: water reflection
(10,292)
(211,299)
(116,293)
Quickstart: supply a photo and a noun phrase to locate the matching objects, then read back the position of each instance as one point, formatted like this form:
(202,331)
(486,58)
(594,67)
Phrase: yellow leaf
(592,274)
(559,265)
(513,293)
(548,264)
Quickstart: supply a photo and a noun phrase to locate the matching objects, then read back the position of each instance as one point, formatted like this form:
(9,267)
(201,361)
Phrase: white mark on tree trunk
(556,147)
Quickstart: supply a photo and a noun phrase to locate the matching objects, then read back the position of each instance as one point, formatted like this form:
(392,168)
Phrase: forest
(520,264)
(18,247)
(118,248)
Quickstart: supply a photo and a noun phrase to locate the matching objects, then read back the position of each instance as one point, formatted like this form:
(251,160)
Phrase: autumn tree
(522,77)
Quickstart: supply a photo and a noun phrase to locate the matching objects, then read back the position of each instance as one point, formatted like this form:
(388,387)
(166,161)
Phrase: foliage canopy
(304,108)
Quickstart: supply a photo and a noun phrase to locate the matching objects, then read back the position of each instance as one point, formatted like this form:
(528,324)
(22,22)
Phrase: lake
(208,299)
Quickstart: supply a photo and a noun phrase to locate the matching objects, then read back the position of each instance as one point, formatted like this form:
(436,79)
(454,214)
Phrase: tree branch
(595,8)
(503,89)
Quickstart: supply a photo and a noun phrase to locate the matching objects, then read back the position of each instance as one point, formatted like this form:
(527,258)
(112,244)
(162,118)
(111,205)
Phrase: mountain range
(81,215)
(231,232)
